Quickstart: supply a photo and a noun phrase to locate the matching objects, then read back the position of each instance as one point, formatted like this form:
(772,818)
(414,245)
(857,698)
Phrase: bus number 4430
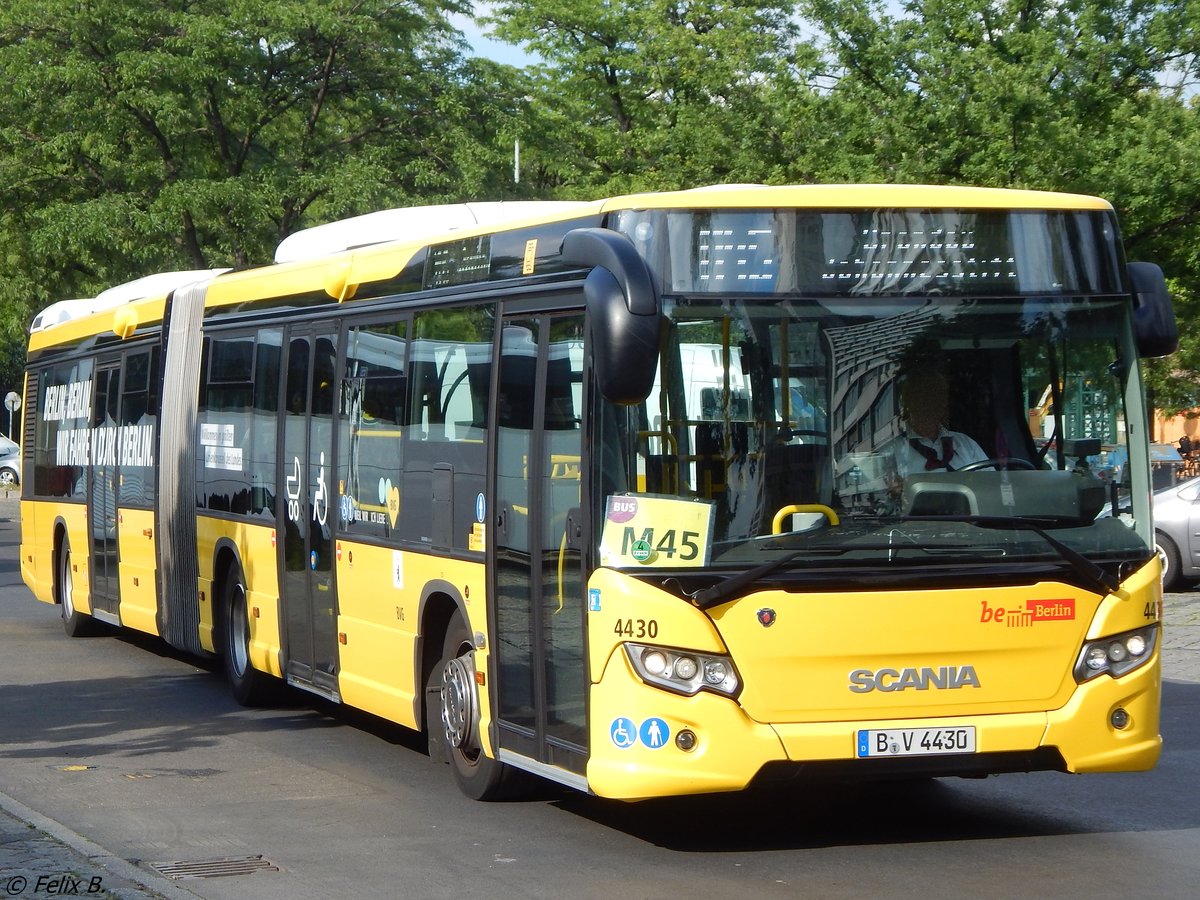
(636,628)
(668,544)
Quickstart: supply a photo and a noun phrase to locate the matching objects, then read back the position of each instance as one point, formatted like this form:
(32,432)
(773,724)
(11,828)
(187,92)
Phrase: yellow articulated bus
(656,495)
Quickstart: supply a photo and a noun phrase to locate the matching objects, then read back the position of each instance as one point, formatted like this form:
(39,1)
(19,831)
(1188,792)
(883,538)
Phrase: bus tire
(251,687)
(75,623)
(454,722)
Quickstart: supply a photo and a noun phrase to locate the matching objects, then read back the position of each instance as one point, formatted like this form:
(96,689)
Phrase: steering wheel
(1012,462)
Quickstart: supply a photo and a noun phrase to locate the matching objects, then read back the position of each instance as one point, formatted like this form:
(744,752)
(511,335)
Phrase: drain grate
(214,868)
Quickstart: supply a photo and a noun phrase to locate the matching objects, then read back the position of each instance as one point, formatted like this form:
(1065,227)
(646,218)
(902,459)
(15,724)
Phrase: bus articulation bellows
(632,494)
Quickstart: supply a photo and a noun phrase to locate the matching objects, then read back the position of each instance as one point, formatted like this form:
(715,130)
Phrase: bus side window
(229,428)
(268,356)
(372,424)
(60,459)
(445,457)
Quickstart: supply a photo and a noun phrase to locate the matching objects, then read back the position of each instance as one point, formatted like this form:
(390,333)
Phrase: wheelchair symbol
(321,497)
(624,732)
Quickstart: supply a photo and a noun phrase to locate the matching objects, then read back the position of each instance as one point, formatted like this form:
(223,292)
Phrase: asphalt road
(124,755)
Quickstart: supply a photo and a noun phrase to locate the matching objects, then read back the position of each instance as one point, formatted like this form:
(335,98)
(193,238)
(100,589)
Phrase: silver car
(1177,530)
(10,463)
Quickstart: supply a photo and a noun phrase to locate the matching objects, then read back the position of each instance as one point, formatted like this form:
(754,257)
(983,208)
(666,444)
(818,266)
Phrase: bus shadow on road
(184,708)
(827,814)
(308,710)
(128,717)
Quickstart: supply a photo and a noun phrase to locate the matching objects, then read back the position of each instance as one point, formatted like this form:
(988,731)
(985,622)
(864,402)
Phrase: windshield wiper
(1094,576)
(724,590)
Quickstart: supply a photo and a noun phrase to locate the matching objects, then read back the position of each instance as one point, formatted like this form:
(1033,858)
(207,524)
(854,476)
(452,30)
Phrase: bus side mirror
(623,309)
(1154,325)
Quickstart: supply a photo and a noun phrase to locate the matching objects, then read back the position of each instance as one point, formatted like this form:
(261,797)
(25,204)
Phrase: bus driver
(927,445)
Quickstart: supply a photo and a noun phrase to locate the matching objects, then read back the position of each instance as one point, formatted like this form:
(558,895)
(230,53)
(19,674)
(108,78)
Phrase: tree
(146,135)
(654,94)
(997,92)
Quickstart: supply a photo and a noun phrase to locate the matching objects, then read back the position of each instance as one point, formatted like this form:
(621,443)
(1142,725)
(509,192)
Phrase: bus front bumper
(651,743)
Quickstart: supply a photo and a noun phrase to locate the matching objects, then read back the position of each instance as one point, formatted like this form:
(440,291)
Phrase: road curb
(54,850)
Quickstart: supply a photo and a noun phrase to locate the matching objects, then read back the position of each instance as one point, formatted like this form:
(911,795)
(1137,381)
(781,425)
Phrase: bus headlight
(1116,655)
(683,672)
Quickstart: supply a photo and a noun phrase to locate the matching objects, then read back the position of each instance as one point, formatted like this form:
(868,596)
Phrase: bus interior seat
(710,460)
(662,473)
(796,473)
(990,407)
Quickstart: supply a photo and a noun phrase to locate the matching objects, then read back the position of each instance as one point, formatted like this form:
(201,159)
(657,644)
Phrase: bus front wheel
(455,716)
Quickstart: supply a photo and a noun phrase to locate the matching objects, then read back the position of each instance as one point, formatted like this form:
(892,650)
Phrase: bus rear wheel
(251,687)
(455,716)
(75,623)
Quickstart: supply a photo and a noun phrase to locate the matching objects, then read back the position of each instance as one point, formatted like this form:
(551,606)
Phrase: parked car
(10,462)
(1177,531)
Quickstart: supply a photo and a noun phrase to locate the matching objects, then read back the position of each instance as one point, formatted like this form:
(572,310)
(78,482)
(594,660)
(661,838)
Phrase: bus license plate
(915,741)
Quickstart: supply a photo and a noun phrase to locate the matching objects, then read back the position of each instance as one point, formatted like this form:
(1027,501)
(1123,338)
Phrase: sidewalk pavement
(40,857)
(1181,637)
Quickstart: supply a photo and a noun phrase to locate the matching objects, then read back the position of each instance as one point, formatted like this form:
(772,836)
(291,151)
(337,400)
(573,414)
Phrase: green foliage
(991,92)
(653,94)
(138,136)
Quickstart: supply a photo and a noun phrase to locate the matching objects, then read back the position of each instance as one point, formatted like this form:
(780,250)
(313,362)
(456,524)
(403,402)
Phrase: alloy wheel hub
(459,714)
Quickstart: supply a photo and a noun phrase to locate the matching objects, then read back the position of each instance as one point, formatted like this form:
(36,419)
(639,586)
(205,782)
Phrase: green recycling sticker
(641,551)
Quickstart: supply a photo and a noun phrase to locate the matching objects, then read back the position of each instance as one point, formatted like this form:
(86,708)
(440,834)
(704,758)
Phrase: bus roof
(423,224)
(855,196)
(159,284)
(417,226)
(413,223)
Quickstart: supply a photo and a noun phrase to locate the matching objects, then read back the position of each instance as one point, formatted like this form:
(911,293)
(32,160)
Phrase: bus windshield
(907,431)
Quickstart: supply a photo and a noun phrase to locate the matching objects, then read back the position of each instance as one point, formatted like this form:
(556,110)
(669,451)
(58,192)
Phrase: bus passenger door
(102,495)
(135,490)
(306,488)
(538,584)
